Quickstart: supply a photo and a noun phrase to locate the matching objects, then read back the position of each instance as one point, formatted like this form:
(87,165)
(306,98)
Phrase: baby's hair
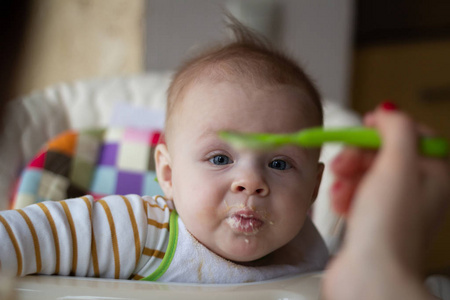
(249,56)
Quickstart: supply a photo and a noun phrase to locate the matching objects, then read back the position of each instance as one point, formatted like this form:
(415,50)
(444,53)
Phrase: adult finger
(352,161)
(342,193)
(348,168)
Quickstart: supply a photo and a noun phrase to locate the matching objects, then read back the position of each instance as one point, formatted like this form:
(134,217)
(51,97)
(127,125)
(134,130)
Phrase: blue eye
(220,160)
(279,164)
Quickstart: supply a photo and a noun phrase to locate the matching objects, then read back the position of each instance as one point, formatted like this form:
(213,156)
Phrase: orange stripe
(137,240)
(144,203)
(15,245)
(137,277)
(54,232)
(37,248)
(157,224)
(93,245)
(159,196)
(114,238)
(94,256)
(74,237)
(157,206)
(153,252)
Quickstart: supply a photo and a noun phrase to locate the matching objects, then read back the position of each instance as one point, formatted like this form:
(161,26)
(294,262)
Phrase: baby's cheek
(202,215)
(206,214)
(293,213)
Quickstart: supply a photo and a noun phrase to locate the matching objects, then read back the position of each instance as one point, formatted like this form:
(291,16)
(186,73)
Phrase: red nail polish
(158,138)
(388,105)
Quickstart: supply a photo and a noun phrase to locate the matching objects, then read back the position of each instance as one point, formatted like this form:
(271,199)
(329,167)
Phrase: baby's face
(240,203)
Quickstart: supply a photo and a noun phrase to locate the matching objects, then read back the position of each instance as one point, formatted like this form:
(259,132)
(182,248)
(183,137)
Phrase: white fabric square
(114,134)
(133,157)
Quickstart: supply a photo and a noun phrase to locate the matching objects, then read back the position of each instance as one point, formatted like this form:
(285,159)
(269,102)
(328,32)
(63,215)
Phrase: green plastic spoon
(314,137)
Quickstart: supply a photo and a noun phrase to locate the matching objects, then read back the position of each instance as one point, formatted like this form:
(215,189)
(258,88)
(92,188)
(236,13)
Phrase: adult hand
(392,199)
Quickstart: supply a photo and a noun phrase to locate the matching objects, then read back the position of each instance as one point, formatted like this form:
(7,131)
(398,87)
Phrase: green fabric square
(81,173)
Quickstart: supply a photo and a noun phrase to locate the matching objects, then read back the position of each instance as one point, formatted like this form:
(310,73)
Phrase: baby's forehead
(225,99)
(249,101)
(209,89)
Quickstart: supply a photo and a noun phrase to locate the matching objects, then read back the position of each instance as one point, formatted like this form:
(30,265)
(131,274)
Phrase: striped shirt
(115,237)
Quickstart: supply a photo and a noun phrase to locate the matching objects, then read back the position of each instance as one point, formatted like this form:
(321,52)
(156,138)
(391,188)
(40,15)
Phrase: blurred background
(358,52)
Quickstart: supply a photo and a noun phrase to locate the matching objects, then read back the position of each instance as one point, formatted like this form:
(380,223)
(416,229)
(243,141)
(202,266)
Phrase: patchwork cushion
(98,162)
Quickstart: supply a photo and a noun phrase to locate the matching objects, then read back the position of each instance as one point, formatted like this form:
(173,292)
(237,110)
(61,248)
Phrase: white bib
(194,263)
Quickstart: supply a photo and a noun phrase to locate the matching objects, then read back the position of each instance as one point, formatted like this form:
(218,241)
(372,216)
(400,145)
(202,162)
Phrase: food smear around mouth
(246,224)
(235,206)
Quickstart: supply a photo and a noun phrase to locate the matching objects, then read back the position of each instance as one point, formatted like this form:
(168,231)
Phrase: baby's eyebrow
(209,133)
(302,153)
(213,132)
(209,137)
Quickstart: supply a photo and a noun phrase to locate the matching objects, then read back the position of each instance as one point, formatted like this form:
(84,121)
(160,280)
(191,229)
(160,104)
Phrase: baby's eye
(279,164)
(220,160)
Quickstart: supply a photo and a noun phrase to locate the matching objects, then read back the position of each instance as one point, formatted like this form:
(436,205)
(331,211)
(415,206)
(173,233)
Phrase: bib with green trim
(170,251)
(194,263)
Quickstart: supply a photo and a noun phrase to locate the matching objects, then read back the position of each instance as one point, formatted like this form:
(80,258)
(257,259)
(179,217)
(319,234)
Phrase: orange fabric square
(64,143)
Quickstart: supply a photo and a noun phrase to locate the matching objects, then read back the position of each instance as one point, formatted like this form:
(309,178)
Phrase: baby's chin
(255,261)
(248,260)
(246,251)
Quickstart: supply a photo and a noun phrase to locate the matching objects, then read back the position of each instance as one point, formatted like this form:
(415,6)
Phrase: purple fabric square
(108,154)
(129,183)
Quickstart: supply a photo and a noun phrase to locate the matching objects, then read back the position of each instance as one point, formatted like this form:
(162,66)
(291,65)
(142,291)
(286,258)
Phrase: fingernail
(388,105)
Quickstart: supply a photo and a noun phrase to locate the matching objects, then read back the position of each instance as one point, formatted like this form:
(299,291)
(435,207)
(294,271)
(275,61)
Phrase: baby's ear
(164,169)
(320,168)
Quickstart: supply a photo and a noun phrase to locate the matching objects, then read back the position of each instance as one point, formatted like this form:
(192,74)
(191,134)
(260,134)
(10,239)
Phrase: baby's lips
(247,222)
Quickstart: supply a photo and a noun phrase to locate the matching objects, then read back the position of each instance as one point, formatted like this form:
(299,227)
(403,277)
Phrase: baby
(227,216)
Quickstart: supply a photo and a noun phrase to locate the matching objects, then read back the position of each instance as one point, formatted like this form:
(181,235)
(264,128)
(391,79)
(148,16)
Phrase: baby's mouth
(246,222)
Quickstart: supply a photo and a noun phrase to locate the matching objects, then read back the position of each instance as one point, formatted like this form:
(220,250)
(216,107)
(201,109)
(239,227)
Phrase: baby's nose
(254,185)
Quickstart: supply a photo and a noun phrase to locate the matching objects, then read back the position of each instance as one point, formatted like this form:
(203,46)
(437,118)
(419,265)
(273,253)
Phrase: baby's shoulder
(158,202)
